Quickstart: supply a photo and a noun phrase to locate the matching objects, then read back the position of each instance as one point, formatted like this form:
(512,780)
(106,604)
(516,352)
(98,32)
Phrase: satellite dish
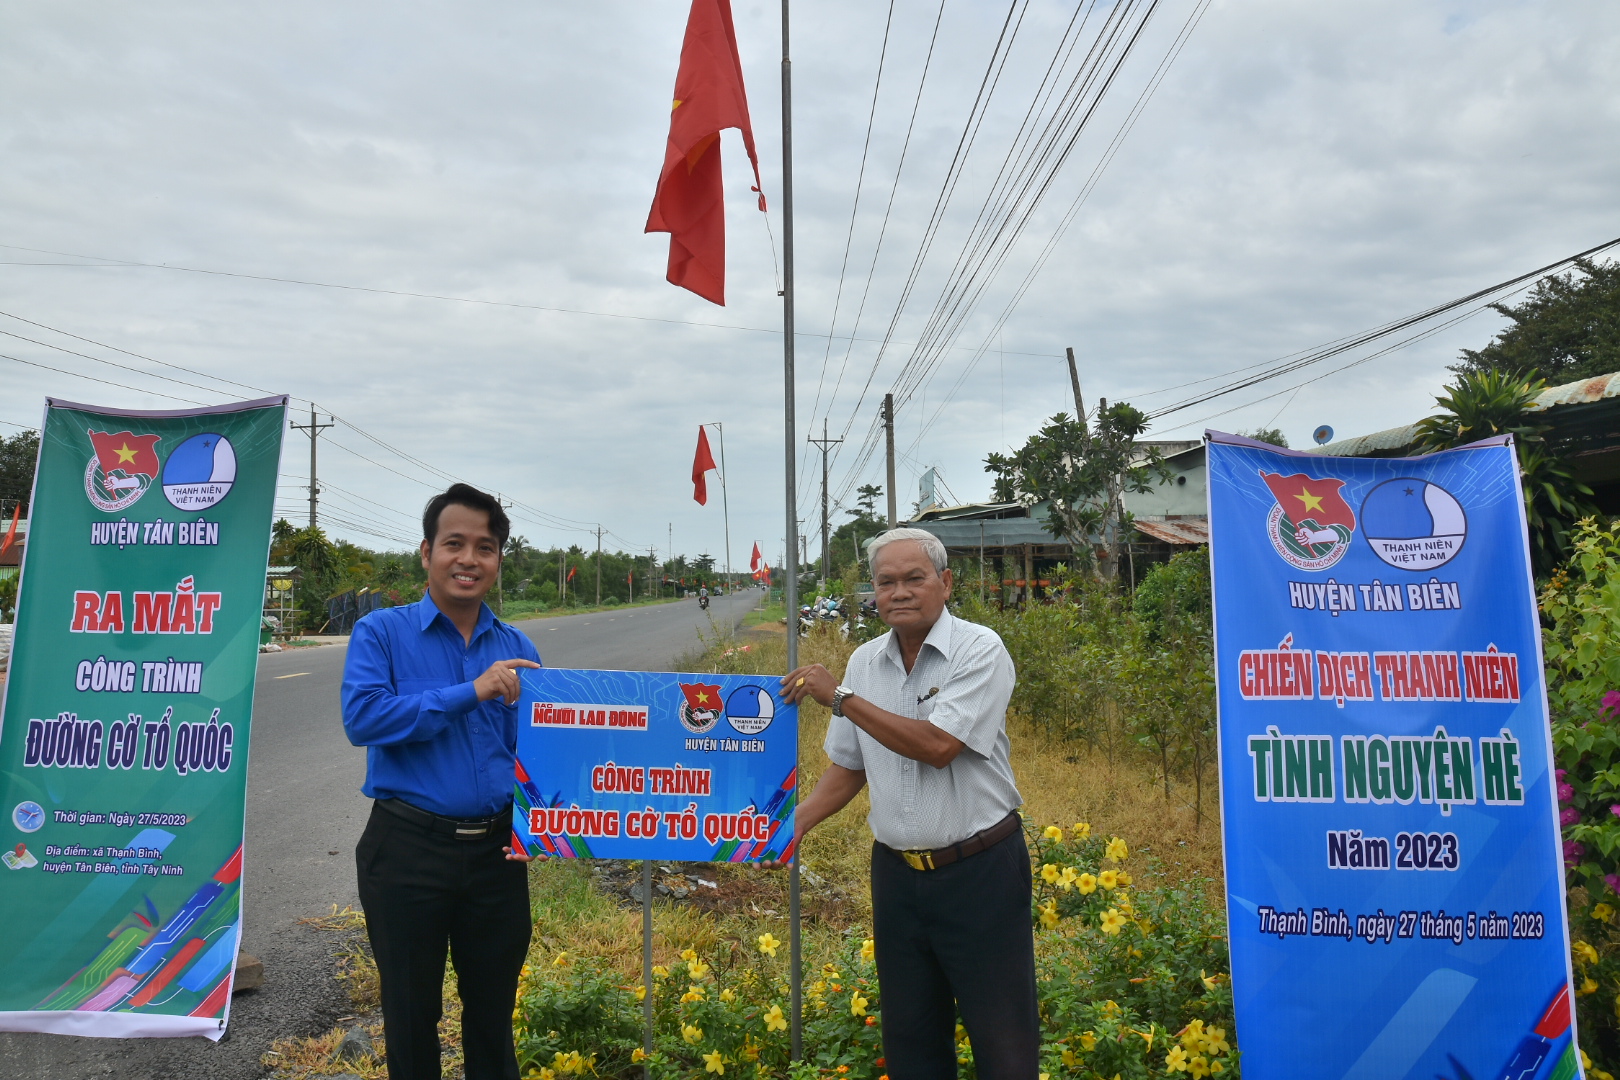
(1322,435)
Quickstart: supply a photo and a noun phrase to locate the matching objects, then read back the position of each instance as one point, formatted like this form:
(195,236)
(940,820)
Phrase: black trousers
(955,939)
(425,893)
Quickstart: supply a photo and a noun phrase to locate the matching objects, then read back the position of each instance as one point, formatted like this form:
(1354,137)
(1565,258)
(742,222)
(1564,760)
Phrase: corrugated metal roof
(1397,439)
(1188,530)
(1386,441)
(1578,393)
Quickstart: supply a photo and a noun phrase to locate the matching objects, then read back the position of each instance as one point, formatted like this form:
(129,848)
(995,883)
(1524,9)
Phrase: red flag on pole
(703,462)
(572,570)
(690,201)
(11,533)
(754,559)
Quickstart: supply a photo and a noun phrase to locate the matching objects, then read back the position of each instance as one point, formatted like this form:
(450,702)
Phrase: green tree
(1271,435)
(318,558)
(1484,404)
(1568,328)
(17,457)
(1083,475)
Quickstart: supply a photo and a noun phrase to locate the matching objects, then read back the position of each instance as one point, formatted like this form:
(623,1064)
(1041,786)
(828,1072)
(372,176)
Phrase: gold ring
(800,682)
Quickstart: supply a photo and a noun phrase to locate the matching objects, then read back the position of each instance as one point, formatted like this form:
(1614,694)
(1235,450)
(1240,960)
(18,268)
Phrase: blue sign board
(655,765)
(1394,879)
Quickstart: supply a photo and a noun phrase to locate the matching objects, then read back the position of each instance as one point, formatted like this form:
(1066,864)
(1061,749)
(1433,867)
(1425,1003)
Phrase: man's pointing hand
(501,681)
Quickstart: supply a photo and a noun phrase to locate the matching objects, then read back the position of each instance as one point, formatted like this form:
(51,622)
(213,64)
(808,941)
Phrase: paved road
(304,816)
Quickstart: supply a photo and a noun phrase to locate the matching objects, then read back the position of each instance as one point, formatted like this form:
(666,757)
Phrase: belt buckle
(919,860)
(472,834)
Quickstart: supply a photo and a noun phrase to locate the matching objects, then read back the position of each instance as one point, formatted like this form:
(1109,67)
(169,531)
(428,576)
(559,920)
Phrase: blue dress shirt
(408,698)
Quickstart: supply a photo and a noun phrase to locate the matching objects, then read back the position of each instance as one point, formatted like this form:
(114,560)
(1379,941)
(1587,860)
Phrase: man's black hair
(470,497)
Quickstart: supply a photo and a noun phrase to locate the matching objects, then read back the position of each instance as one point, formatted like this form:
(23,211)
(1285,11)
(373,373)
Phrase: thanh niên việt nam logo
(1311,524)
(121,469)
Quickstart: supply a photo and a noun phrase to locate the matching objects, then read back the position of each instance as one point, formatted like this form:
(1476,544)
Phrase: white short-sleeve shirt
(960,683)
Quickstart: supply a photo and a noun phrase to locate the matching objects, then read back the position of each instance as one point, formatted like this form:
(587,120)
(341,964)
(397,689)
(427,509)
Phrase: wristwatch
(839,694)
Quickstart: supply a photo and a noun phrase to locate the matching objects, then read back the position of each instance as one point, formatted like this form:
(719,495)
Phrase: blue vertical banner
(1394,879)
(655,765)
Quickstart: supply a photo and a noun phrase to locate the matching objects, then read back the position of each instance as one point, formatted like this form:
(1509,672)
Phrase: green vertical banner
(124,733)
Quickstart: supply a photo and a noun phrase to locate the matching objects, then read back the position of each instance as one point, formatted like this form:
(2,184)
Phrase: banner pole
(790,594)
(646,962)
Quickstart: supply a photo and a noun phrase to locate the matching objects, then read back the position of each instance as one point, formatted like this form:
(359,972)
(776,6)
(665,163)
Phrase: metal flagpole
(790,440)
(725,504)
(646,961)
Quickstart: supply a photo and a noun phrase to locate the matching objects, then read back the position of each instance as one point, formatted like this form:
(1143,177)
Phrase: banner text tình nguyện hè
(1394,880)
(123,750)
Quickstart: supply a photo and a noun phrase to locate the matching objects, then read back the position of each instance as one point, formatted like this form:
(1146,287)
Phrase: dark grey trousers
(957,939)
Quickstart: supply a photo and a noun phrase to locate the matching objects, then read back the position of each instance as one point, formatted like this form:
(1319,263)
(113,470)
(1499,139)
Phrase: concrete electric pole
(825,444)
(314,430)
(888,434)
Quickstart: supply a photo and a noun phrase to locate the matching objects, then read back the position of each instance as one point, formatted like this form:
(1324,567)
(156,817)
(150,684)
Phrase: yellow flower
(714,1062)
(728,995)
(1216,1067)
(1070,1058)
(1110,1007)
(1086,883)
(1603,913)
(547,1074)
(1053,833)
(638,1055)
(695,993)
(1116,850)
(1215,1041)
(1584,953)
(857,1004)
(1108,879)
(1176,1060)
(1192,1036)
(1081,830)
(774,1020)
(868,950)
(1088,1041)
(768,944)
(641,993)
(1210,981)
(1147,1037)
(660,971)
(561,960)
(1049,873)
(697,969)
(830,970)
(1124,878)
(961,1034)
(1049,915)
(1112,921)
(1588,986)
(689,955)
(693,1035)
(1198,1067)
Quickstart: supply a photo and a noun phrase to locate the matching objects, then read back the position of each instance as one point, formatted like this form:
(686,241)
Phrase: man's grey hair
(930,545)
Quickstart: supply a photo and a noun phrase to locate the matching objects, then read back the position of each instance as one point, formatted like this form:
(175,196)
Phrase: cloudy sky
(1300,173)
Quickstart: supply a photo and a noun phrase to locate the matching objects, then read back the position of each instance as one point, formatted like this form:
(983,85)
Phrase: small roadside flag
(702,462)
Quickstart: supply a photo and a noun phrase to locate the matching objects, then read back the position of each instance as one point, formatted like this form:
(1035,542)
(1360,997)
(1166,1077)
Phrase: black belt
(460,828)
(979,841)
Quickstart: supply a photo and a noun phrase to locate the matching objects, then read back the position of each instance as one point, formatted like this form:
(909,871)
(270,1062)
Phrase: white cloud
(1304,172)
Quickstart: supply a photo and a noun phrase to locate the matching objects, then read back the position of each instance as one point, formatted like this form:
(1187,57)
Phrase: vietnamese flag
(131,453)
(754,559)
(703,462)
(11,533)
(1305,498)
(701,696)
(572,570)
(690,201)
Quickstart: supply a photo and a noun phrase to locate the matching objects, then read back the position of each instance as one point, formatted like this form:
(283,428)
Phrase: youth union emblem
(121,469)
(1311,524)
(701,709)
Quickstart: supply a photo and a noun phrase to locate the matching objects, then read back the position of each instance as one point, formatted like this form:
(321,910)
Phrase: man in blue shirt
(430,691)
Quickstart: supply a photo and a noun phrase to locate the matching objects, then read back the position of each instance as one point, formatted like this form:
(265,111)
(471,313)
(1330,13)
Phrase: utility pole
(824,443)
(599,566)
(652,573)
(888,434)
(314,430)
(1074,380)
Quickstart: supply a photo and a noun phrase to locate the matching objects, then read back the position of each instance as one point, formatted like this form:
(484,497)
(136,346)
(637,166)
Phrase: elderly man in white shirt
(922,718)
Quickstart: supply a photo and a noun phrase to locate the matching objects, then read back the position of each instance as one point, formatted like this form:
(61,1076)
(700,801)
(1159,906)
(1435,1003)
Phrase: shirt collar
(427,611)
(939,636)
